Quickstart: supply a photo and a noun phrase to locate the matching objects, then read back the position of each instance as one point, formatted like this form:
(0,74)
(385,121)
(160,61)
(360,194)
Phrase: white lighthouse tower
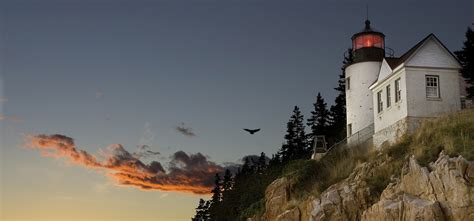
(368,48)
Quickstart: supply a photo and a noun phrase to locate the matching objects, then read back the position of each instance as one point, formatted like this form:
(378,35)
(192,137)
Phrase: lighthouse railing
(358,138)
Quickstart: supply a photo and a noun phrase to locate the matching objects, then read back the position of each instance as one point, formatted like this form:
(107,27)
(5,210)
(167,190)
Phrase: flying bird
(252,131)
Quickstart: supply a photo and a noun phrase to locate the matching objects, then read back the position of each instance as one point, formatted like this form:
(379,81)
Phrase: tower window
(348,83)
(349,130)
(379,102)
(368,41)
(432,86)
(389,99)
(398,91)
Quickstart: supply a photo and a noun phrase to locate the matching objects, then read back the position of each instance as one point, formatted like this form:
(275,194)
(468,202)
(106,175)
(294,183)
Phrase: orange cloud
(186,173)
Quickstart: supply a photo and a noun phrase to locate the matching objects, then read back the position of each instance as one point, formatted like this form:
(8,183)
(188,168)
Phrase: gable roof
(394,62)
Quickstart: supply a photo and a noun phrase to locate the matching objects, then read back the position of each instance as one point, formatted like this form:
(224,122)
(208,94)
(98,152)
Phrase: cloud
(190,173)
(145,142)
(186,131)
(3,100)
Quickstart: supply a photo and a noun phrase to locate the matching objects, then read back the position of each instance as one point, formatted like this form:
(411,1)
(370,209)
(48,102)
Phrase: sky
(122,80)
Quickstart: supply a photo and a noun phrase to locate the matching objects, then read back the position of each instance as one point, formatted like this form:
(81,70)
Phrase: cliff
(425,176)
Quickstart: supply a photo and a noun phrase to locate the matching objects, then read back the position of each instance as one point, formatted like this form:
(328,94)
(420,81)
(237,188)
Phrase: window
(349,129)
(379,102)
(432,86)
(368,41)
(348,83)
(389,99)
(398,91)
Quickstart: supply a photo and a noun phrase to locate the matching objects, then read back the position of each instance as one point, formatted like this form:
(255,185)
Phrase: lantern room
(368,45)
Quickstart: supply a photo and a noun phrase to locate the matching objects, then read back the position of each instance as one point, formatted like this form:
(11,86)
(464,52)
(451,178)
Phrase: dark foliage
(295,145)
(319,120)
(338,110)
(466,58)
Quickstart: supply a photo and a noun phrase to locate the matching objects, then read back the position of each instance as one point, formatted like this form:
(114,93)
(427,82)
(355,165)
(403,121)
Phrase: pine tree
(466,58)
(206,213)
(246,167)
(216,198)
(338,110)
(227,182)
(319,120)
(216,192)
(262,163)
(295,145)
(201,211)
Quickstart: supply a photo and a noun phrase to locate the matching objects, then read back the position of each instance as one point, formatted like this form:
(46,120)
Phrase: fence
(355,139)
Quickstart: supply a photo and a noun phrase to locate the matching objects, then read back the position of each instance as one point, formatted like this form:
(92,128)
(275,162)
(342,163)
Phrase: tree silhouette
(338,110)
(202,211)
(319,120)
(466,58)
(295,145)
(262,163)
(227,182)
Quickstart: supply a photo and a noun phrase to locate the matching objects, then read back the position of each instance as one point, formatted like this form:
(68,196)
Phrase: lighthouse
(368,49)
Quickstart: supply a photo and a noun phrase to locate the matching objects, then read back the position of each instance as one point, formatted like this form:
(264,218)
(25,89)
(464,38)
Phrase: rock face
(344,201)
(277,196)
(444,191)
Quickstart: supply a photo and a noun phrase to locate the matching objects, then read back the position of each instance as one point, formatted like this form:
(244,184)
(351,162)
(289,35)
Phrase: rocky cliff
(444,190)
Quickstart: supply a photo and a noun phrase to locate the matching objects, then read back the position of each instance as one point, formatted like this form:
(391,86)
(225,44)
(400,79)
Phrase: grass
(310,177)
(452,133)
(257,208)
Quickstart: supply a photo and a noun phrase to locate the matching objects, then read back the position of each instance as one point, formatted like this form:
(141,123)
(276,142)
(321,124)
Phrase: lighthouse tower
(368,49)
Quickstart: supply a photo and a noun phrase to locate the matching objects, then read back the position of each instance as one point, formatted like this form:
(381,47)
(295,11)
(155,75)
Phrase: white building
(387,96)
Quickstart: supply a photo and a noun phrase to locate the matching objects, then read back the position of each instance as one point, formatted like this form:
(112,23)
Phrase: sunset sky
(168,81)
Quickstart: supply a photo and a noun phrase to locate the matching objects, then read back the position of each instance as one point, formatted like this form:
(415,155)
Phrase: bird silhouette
(252,131)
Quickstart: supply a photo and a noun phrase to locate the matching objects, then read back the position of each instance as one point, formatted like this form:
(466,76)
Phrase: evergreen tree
(319,120)
(246,168)
(206,212)
(466,58)
(216,198)
(262,163)
(275,160)
(216,192)
(227,182)
(202,213)
(295,145)
(338,110)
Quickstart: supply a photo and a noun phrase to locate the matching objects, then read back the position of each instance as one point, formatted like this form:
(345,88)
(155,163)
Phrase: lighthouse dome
(368,44)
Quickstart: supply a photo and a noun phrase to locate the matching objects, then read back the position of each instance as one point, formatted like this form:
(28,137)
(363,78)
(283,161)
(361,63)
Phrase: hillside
(428,175)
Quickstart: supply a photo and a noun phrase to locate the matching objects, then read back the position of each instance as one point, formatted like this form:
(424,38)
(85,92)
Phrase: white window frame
(388,95)
(379,101)
(432,86)
(398,91)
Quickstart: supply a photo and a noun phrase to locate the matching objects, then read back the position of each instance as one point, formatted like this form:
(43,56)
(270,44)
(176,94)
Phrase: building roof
(394,62)
(367,29)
